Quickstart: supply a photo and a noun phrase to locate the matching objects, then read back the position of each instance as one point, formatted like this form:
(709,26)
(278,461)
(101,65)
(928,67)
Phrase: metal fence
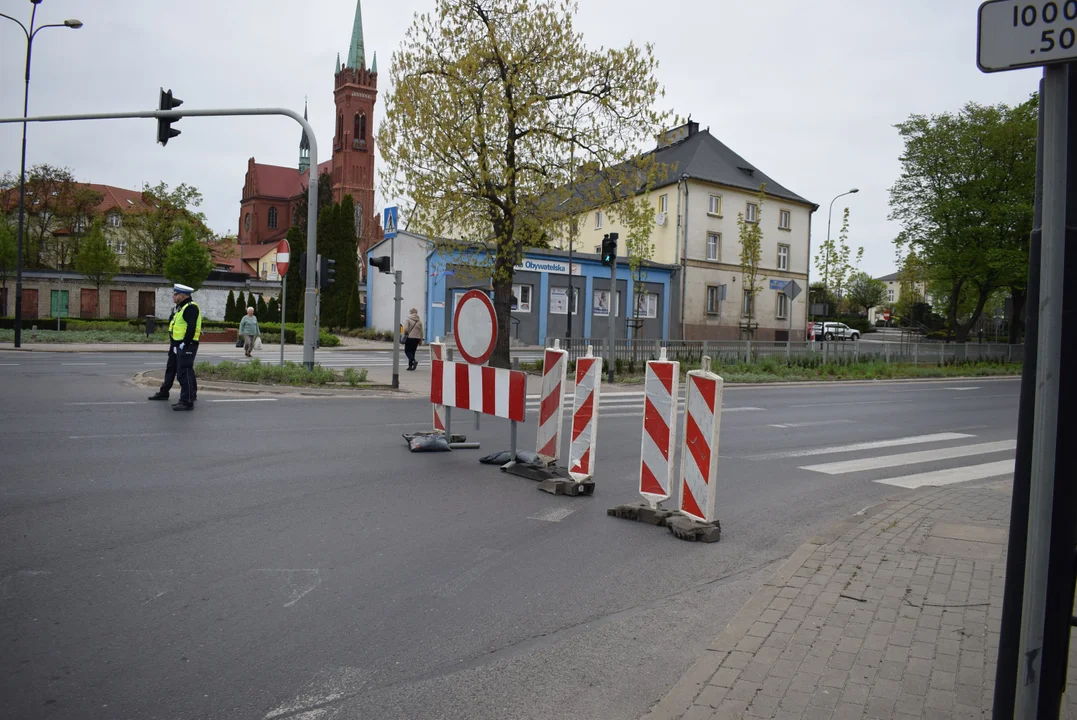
(750,351)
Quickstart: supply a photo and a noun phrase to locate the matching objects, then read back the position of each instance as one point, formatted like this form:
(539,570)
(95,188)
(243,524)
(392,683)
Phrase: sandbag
(429,443)
(523,457)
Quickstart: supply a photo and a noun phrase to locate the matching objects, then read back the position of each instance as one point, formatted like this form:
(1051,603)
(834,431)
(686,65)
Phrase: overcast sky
(808,92)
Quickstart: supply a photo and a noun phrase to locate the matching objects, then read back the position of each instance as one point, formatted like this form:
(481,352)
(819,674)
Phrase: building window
(598,221)
(783,257)
(521,298)
(559,300)
(663,203)
(646,305)
(752,215)
(714,206)
(600,304)
(272,218)
(80,223)
(598,249)
(714,302)
(362,127)
(340,129)
(114,220)
(783,219)
(890,294)
(273,268)
(783,307)
(714,246)
(118,245)
(746,308)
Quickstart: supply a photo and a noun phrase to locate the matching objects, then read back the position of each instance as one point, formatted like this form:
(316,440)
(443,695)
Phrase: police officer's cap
(186,290)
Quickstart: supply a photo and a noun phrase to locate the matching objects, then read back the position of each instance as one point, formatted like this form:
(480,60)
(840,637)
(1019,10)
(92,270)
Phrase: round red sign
(283,253)
(886,314)
(475,327)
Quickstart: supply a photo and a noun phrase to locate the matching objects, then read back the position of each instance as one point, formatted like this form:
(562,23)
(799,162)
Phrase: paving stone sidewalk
(894,614)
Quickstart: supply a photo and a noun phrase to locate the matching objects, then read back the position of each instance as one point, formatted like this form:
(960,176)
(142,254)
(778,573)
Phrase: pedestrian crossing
(917,464)
(627,403)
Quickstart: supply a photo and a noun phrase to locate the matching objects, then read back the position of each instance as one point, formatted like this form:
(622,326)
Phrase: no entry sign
(283,253)
(475,326)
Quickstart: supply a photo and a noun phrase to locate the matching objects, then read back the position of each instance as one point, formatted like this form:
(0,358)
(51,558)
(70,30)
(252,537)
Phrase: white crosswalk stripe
(912,462)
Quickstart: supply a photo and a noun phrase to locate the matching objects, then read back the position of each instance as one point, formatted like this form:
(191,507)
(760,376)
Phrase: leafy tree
(96,260)
(833,263)
(297,238)
(964,199)
(75,216)
(354,309)
(273,310)
(151,233)
(325,200)
(8,256)
(492,102)
(751,252)
(241,306)
(865,292)
(260,308)
(45,186)
(230,307)
(910,282)
(188,261)
(339,243)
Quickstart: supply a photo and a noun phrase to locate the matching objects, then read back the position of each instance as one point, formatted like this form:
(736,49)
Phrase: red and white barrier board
(551,417)
(581,452)
(659,429)
(437,352)
(699,452)
(491,391)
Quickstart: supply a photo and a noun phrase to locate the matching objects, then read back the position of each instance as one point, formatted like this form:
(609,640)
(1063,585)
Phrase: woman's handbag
(257,343)
(239,341)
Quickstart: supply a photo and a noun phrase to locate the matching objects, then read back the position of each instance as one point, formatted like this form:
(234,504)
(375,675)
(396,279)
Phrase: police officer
(170,366)
(184,330)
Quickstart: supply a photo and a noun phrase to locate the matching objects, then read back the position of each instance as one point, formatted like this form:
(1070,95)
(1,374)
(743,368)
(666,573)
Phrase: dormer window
(114,219)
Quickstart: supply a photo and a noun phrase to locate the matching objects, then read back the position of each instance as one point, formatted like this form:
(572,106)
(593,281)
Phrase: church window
(340,128)
(362,127)
(272,218)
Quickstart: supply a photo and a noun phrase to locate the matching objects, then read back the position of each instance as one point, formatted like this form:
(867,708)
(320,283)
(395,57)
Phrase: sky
(808,92)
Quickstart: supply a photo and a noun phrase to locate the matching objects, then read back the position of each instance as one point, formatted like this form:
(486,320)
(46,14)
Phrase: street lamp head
(855,190)
(72,23)
(36,2)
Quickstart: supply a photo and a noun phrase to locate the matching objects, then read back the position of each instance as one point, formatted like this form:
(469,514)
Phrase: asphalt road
(288,558)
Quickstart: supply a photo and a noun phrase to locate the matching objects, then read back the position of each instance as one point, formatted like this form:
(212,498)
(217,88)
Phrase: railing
(749,351)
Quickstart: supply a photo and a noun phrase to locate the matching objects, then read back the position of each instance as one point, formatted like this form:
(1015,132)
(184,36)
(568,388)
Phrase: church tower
(356,90)
(304,146)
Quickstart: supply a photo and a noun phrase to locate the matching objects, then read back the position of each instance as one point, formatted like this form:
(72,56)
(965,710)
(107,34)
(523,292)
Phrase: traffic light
(383,264)
(164,127)
(609,248)
(326,272)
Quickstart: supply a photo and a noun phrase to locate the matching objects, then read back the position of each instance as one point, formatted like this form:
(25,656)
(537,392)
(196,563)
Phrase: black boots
(158,396)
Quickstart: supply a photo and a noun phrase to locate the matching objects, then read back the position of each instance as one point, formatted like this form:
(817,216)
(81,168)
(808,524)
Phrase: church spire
(336,68)
(356,54)
(374,64)
(304,145)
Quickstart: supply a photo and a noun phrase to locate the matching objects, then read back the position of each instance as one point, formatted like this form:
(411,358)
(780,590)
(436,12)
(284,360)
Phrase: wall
(411,251)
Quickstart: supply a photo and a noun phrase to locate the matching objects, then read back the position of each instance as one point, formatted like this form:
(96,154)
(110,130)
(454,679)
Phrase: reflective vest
(177,327)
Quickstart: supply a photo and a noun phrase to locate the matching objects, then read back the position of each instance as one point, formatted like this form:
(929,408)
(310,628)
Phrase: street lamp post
(30,34)
(826,264)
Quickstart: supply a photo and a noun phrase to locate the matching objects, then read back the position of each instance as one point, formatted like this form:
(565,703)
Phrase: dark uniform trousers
(184,371)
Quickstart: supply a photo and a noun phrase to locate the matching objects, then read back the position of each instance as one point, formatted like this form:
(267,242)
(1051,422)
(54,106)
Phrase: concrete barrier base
(642,512)
(562,486)
(693,530)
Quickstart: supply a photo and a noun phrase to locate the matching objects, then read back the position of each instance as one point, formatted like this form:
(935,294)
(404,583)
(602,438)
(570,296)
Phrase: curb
(59,348)
(679,699)
(144,379)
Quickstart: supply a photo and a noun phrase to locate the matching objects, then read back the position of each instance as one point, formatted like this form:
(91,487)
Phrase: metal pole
(283,298)
(613,312)
(396,332)
(309,337)
(448,408)
(1045,425)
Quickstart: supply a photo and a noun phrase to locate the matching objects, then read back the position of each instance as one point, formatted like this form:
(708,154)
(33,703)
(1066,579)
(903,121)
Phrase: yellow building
(696,203)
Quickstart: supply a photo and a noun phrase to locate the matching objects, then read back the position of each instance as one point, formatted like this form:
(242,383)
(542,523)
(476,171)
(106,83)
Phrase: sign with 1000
(1015,34)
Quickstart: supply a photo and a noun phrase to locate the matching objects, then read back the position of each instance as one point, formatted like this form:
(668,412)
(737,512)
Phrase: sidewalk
(890,615)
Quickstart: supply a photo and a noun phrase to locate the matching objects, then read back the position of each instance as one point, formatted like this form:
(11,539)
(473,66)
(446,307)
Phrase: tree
(74,214)
(241,306)
(833,263)
(152,232)
(8,255)
(492,104)
(260,308)
(45,186)
(339,243)
(865,292)
(188,261)
(297,238)
(273,310)
(751,252)
(964,200)
(354,310)
(910,282)
(230,307)
(96,260)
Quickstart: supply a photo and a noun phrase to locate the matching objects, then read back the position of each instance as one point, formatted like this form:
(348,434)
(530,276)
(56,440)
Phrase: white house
(409,253)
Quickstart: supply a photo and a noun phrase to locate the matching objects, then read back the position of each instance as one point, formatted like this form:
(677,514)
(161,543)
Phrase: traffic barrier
(491,391)
(551,416)
(660,387)
(699,451)
(437,352)
(581,453)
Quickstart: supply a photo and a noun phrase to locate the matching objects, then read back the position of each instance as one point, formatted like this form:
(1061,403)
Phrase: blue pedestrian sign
(389,224)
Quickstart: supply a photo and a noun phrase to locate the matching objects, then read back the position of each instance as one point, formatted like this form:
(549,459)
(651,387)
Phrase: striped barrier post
(659,429)
(581,453)
(699,451)
(437,353)
(551,416)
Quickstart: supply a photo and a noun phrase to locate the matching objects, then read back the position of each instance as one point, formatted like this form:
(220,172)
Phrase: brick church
(272,194)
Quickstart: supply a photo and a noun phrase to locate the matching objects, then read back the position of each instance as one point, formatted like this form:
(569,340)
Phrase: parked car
(834,331)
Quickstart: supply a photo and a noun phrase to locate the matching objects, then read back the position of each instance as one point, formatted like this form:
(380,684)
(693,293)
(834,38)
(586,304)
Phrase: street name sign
(1013,34)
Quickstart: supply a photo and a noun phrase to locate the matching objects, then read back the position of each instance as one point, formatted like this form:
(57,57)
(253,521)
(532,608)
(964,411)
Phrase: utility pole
(398,296)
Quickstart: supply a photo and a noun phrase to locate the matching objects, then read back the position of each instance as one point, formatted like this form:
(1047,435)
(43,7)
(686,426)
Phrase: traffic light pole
(310,332)
(396,330)
(614,307)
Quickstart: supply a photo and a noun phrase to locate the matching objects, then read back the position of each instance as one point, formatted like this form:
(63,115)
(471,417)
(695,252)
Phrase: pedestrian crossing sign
(389,224)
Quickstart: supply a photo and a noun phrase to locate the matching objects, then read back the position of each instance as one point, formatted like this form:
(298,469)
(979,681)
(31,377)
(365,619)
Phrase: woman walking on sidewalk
(248,330)
(413,335)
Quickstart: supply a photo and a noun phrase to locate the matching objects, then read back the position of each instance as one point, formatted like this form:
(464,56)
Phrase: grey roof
(703,157)
(891,276)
